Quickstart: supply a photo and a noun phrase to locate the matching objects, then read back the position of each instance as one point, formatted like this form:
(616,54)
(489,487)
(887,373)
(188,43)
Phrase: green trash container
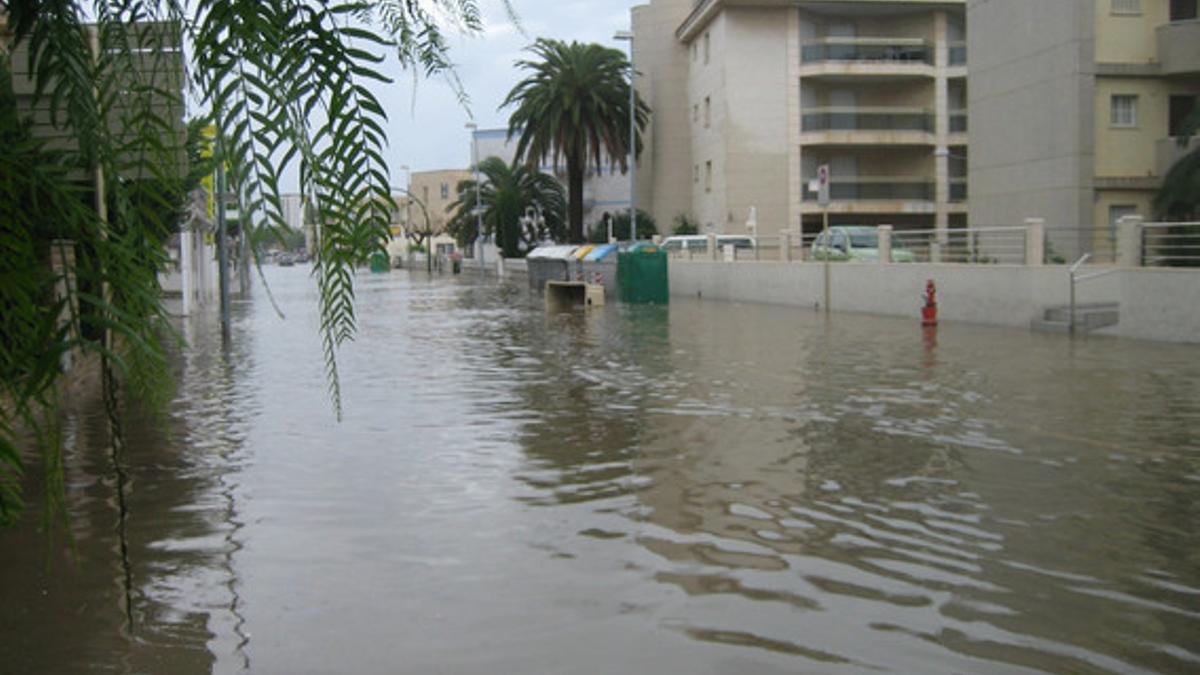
(380,262)
(642,274)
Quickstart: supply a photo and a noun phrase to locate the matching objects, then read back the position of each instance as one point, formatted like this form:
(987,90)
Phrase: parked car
(857,243)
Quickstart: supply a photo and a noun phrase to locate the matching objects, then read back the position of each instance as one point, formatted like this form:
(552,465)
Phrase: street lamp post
(628,35)
(478,209)
(407,200)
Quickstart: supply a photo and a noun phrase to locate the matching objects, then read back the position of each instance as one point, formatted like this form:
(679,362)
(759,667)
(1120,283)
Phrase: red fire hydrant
(929,311)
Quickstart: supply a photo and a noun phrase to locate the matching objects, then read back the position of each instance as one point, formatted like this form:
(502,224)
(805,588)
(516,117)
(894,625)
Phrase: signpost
(823,200)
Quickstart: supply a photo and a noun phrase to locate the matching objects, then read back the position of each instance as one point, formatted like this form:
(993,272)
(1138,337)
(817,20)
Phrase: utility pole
(478,208)
(628,35)
(222,245)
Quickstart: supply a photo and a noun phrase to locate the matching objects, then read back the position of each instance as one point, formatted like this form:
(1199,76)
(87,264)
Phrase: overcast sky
(431,134)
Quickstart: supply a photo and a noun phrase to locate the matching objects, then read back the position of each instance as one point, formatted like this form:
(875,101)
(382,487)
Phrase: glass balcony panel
(958,121)
(958,54)
(876,189)
(958,189)
(866,119)
(869,50)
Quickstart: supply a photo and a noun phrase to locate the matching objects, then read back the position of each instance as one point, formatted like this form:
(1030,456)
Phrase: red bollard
(929,311)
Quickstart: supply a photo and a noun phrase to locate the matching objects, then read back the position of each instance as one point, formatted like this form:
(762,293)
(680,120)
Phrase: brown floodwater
(701,488)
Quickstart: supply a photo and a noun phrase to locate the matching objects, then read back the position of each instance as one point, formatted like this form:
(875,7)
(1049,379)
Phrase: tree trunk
(575,198)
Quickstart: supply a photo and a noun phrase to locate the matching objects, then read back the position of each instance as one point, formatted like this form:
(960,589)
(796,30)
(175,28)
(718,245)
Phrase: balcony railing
(958,121)
(877,188)
(1179,47)
(867,50)
(958,190)
(958,53)
(867,119)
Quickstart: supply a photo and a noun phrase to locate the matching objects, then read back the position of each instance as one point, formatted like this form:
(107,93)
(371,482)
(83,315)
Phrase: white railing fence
(1170,244)
(1129,243)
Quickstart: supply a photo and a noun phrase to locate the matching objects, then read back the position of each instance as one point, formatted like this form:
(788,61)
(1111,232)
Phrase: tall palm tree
(507,192)
(574,105)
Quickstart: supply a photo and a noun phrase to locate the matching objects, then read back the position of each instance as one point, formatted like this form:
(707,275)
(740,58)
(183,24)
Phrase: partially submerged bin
(599,266)
(642,274)
(549,262)
(380,262)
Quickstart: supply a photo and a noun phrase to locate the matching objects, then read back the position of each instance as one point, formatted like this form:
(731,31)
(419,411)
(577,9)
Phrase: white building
(749,97)
(606,191)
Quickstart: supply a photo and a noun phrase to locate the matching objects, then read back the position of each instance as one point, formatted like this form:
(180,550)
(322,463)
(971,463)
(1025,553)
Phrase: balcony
(1179,47)
(867,56)
(866,126)
(958,190)
(877,189)
(957,54)
(958,121)
(1170,151)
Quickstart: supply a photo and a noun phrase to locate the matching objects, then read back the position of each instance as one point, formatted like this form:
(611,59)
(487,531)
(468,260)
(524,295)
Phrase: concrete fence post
(885,244)
(1035,241)
(785,246)
(713,253)
(1129,241)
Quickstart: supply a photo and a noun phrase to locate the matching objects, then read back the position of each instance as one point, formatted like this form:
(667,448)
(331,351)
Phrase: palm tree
(506,193)
(574,105)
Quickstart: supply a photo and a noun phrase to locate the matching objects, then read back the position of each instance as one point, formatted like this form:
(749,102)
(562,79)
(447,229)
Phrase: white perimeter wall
(1155,304)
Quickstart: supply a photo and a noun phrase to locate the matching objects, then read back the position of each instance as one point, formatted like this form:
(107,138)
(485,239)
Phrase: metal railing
(1076,279)
(866,119)
(973,245)
(1064,242)
(1171,244)
(868,188)
(867,50)
(985,245)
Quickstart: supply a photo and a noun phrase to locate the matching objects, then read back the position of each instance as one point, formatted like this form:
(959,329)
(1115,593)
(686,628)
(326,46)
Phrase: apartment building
(749,97)
(436,191)
(1073,106)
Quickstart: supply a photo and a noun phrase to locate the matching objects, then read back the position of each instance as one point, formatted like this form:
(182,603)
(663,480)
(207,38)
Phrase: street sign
(823,185)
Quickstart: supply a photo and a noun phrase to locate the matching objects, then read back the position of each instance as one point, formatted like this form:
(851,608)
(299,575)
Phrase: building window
(1183,10)
(707,112)
(1115,213)
(707,48)
(708,176)
(1127,7)
(695,173)
(445,190)
(1124,111)
(1181,108)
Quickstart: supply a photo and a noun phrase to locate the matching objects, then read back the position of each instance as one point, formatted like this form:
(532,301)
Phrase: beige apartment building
(1073,105)
(749,97)
(436,190)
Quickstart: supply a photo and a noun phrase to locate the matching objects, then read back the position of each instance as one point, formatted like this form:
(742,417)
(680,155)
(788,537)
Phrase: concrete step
(1088,317)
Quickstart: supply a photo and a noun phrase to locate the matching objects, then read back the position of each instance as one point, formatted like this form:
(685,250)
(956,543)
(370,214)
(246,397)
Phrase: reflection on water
(707,487)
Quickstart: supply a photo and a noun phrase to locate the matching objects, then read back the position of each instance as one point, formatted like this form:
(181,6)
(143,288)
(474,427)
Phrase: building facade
(604,192)
(750,97)
(1073,106)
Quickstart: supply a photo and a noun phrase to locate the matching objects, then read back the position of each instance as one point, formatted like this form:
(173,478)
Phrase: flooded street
(700,488)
